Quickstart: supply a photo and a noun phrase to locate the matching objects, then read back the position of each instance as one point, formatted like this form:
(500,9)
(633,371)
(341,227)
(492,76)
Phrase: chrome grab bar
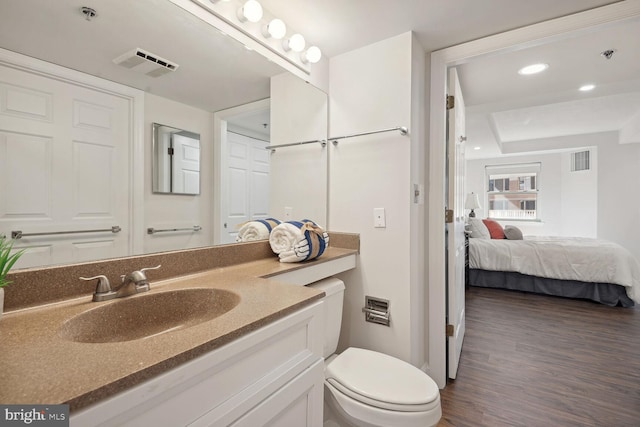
(152,230)
(403,131)
(319,141)
(18,234)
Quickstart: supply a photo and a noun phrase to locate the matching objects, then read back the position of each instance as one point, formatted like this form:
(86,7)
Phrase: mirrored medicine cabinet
(176,160)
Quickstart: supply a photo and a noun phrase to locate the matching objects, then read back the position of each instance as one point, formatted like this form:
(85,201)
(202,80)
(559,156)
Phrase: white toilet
(367,388)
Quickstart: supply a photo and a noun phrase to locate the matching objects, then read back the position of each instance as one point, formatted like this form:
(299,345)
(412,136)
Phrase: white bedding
(565,258)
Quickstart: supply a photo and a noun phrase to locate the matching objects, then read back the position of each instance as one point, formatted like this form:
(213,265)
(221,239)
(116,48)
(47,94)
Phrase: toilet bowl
(368,388)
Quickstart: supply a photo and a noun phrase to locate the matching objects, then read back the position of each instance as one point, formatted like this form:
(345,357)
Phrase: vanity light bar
(245,18)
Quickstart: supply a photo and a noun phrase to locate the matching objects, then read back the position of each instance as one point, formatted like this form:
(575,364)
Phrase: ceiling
(339,26)
(57,32)
(505,109)
(214,72)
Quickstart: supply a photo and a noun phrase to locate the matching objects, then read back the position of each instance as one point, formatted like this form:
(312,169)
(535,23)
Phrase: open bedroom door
(455,223)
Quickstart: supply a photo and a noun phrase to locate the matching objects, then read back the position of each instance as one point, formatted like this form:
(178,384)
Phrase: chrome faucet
(132,283)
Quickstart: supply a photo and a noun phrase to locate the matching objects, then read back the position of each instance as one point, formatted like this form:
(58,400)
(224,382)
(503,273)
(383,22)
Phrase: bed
(574,267)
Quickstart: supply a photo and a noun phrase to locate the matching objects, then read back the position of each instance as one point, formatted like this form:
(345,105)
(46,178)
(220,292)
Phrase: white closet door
(64,154)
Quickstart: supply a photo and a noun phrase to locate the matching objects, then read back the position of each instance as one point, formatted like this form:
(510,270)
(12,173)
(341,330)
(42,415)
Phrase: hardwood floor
(532,360)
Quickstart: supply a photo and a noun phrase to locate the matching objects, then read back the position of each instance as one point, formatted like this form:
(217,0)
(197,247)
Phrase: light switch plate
(379,220)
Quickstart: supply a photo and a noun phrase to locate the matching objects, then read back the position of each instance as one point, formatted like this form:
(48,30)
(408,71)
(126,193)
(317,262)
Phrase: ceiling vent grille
(580,161)
(145,62)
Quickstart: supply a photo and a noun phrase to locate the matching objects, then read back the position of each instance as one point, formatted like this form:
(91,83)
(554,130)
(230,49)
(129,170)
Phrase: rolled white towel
(258,229)
(296,241)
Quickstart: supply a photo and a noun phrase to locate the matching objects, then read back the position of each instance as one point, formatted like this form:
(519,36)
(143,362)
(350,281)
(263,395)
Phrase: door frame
(533,35)
(135,98)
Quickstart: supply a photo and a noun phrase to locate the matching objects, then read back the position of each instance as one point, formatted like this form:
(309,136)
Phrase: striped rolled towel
(296,241)
(257,229)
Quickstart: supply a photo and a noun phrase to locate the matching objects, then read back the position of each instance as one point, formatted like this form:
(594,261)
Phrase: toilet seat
(382,381)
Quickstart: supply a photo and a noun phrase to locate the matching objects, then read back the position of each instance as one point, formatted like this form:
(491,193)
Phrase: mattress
(575,259)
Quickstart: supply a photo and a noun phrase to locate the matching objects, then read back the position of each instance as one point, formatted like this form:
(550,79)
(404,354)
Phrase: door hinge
(170,151)
(450,102)
(448,216)
(450,330)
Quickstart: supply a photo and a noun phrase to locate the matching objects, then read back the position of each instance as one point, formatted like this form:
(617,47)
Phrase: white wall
(374,88)
(618,201)
(579,201)
(178,211)
(298,174)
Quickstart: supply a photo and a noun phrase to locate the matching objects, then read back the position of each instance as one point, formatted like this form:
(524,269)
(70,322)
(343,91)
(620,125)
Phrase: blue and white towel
(257,229)
(296,241)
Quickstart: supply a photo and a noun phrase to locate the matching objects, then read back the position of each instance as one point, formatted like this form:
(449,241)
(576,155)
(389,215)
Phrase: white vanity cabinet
(272,376)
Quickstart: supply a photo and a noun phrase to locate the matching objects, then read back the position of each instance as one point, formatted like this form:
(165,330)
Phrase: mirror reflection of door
(248,173)
(64,179)
(185,164)
(245,167)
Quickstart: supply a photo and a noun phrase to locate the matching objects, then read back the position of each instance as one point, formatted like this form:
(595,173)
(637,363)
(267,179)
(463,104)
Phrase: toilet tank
(334,290)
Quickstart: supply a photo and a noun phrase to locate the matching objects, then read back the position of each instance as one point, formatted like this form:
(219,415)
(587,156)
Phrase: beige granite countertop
(38,366)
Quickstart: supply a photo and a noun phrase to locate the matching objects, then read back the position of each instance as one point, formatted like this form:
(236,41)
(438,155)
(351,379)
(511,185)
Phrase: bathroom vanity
(256,360)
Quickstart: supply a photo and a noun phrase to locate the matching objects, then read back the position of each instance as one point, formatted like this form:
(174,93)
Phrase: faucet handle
(139,274)
(142,270)
(103,283)
(103,287)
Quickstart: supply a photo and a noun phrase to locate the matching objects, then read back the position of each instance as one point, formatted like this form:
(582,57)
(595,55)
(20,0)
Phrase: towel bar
(18,234)
(152,230)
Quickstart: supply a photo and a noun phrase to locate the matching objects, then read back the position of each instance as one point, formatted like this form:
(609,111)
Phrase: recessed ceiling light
(586,88)
(476,148)
(533,69)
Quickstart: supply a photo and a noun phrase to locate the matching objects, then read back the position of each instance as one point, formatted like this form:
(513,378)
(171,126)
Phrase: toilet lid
(380,378)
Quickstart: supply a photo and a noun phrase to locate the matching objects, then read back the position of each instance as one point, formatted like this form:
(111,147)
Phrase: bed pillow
(495,229)
(512,233)
(478,229)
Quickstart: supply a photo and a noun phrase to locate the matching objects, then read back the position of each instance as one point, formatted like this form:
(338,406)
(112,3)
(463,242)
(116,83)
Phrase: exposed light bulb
(276,29)
(312,55)
(295,43)
(251,11)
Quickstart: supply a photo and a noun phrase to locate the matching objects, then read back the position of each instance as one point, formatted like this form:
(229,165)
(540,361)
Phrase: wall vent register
(580,161)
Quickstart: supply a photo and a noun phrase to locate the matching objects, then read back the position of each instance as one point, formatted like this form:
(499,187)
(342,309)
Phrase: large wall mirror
(176,160)
(213,72)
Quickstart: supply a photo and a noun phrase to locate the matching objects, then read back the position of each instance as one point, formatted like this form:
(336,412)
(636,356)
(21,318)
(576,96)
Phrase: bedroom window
(513,191)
